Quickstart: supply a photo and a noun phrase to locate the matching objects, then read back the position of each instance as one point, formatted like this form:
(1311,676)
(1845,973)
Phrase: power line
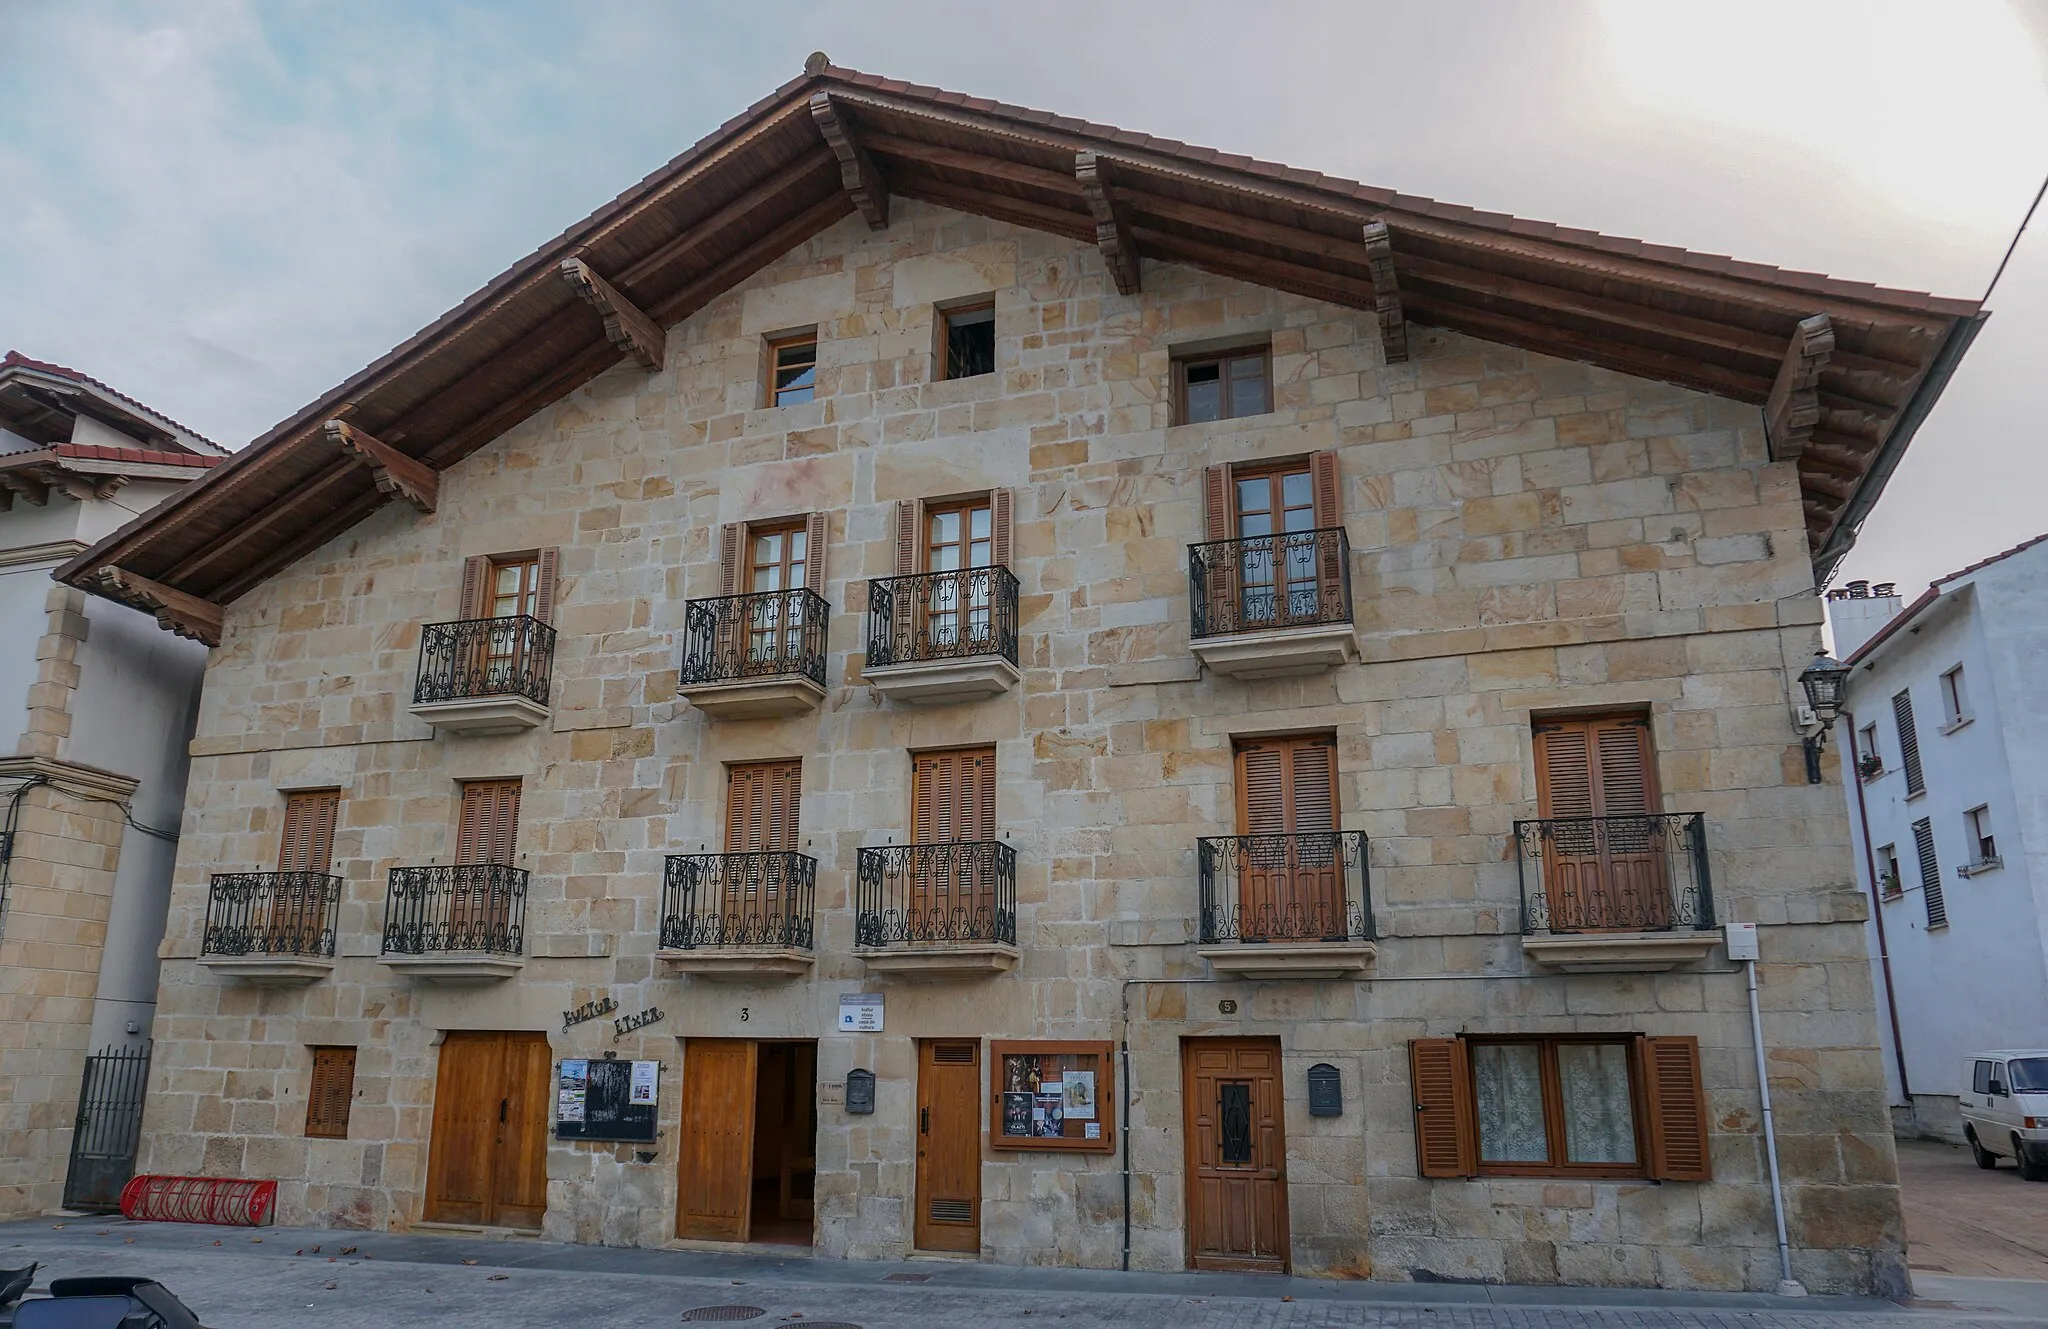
(2043,190)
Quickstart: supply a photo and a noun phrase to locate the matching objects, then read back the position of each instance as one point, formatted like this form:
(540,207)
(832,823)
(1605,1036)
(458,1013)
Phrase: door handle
(924,1121)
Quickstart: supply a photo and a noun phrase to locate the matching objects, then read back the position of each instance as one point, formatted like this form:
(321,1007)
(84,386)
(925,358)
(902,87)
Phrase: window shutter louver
(489,825)
(1262,789)
(327,1101)
(1444,1144)
(1930,872)
(729,541)
(906,535)
(1326,486)
(953,796)
(1625,774)
(1675,1100)
(1909,742)
(307,844)
(1216,506)
(1595,768)
(1000,522)
(761,807)
(785,795)
(1564,772)
(548,578)
(816,528)
(476,580)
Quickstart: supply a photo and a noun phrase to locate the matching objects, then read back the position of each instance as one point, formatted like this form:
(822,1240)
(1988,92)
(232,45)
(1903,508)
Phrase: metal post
(1788,1286)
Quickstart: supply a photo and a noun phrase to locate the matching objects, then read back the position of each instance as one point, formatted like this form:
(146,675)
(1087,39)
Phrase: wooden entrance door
(1603,863)
(1290,873)
(1237,1154)
(715,1164)
(487,1161)
(948,1195)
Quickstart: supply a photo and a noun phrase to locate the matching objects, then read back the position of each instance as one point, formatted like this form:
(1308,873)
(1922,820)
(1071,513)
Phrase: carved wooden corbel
(1793,408)
(1112,234)
(179,612)
(30,488)
(864,183)
(1379,259)
(628,328)
(396,474)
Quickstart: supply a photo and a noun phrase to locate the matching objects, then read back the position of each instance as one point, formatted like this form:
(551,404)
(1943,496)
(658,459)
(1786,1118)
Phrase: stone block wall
(1529,536)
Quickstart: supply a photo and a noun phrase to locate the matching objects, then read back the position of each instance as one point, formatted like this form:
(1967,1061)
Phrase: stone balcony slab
(1291,960)
(1619,952)
(1280,653)
(755,698)
(455,969)
(738,964)
(938,682)
(968,960)
(269,971)
(508,714)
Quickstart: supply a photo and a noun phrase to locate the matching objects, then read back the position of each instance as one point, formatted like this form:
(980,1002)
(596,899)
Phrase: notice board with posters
(606,1100)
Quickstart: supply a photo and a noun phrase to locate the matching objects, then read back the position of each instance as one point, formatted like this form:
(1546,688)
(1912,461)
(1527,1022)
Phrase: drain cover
(907,1278)
(703,1313)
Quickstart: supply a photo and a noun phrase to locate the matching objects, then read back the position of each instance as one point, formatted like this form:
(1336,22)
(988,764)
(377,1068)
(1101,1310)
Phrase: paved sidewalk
(239,1278)
(1965,1221)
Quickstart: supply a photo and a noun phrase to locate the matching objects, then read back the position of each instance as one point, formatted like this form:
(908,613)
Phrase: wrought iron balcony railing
(1262,582)
(478,907)
(1645,873)
(1314,886)
(485,657)
(922,894)
(764,634)
(942,616)
(761,899)
(271,913)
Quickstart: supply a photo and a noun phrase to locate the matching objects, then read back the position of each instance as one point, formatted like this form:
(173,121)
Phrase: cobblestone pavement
(238,1279)
(1963,1220)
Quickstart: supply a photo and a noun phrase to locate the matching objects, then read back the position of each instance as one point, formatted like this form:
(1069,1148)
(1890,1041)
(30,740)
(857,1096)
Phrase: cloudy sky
(224,208)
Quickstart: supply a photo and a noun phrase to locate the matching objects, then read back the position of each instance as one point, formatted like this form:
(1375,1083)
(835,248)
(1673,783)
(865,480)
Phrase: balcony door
(953,803)
(298,907)
(778,560)
(502,587)
(761,828)
(959,537)
(1290,868)
(1604,856)
(479,901)
(1278,572)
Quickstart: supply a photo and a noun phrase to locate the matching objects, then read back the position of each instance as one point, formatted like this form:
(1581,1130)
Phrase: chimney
(1857,610)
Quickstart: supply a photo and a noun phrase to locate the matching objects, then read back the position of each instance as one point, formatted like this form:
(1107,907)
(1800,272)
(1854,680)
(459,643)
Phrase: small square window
(1223,387)
(970,340)
(793,369)
(1954,700)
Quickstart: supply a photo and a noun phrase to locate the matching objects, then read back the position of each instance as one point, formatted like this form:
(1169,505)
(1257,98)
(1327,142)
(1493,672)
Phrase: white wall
(1983,980)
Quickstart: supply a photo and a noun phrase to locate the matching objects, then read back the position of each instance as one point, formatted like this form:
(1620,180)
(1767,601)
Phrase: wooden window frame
(772,349)
(965,507)
(1553,1109)
(1222,359)
(480,582)
(943,330)
(326,1056)
(1105,1095)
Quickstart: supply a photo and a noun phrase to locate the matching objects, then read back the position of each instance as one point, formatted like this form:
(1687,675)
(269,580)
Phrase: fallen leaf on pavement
(469,1261)
(256,1240)
(216,1243)
(497,1278)
(345,1250)
(332,1286)
(1287,1298)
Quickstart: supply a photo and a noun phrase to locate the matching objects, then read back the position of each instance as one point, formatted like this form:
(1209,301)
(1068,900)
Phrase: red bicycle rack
(199,1200)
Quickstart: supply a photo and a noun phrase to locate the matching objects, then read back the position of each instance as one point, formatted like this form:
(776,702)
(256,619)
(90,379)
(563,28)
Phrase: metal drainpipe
(1788,1286)
(1884,950)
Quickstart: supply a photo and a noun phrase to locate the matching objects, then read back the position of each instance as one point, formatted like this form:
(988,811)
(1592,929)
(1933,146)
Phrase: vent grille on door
(952,1211)
(953,1054)
(1235,1118)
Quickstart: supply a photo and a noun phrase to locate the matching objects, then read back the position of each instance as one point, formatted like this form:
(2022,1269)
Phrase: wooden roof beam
(999,207)
(395,473)
(710,226)
(1379,256)
(971,163)
(628,329)
(186,615)
(857,170)
(1112,234)
(1793,408)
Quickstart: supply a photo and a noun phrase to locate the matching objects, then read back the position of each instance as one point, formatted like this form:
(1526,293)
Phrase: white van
(2005,1110)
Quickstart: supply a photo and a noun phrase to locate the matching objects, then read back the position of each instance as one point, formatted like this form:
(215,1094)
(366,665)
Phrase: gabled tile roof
(17,359)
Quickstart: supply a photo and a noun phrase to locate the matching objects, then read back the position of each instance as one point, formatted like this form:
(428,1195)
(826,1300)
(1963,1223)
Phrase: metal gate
(107,1129)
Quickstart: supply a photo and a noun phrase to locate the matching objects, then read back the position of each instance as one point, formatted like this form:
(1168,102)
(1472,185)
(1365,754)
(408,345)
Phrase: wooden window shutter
(1287,786)
(1675,1103)
(334,1085)
(731,537)
(1909,742)
(547,578)
(476,582)
(1930,873)
(307,844)
(1442,1085)
(489,825)
(907,510)
(1000,523)
(816,527)
(983,768)
(1603,767)
(1327,488)
(761,807)
(953,796)
(1216,505)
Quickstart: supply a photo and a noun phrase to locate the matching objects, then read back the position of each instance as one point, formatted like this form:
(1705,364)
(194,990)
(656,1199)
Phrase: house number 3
(745,1014)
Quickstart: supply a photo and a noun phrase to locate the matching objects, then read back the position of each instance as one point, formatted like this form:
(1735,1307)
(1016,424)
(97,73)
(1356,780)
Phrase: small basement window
(970,340)
(1223,387)
(793,369)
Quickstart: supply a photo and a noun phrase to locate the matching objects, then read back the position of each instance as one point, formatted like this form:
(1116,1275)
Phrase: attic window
(793,369)
(970,340)
(1223,387)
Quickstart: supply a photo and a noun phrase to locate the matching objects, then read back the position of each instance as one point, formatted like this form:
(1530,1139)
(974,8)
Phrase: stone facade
(1529,536)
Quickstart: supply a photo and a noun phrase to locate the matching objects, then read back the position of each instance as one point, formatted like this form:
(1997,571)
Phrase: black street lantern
(1825,681)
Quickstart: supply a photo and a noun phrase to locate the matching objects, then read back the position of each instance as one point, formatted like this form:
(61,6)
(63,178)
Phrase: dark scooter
(122,1302)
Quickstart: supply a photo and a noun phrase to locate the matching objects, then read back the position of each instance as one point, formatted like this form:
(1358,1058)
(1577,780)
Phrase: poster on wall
(1077,1095)
(606,1100)
(1016,1114)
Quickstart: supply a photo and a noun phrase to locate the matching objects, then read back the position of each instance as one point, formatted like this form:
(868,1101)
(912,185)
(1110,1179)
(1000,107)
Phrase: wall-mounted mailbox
(1325,1091)
(860,1093)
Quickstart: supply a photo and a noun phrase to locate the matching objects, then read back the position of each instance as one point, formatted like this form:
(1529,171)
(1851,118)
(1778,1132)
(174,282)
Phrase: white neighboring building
(97,706)
(1952,816)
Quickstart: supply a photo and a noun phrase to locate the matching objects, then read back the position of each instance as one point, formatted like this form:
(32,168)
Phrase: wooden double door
(747,1167)
(487,1160)
(1237,1154)
(1606,847)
